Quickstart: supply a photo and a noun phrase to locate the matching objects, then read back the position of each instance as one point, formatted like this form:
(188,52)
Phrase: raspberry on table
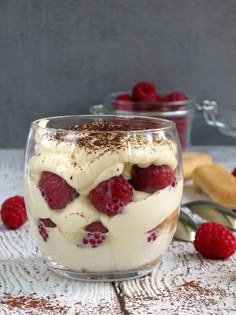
(56,191)
(112,195)
(13,212)
(144,91)
(152,178)
(95,235)
(234,172)
(214,241)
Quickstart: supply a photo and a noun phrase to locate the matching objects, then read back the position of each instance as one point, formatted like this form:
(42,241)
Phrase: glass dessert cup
(103,193)
(180,112)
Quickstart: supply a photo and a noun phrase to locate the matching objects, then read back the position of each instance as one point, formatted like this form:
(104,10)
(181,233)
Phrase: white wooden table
(184,283)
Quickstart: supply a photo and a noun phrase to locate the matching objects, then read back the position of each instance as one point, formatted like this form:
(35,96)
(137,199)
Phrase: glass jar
(180,112)
(103,193)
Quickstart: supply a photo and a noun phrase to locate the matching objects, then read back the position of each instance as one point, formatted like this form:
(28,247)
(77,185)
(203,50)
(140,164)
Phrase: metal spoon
(207,210)
(186,228)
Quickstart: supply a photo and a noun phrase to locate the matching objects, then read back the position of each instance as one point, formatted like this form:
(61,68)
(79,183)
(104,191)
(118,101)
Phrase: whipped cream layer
(84,161)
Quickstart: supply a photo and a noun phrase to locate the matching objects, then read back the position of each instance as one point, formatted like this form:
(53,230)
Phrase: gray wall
(59,57)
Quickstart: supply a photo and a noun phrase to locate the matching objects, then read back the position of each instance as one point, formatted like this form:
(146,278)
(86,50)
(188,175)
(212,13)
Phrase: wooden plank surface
(183,283)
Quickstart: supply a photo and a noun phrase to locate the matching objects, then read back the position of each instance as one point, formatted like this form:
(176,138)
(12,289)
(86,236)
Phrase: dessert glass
(103,193)
(180,112)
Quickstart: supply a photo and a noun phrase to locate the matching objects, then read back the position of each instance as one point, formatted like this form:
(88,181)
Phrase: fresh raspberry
(56,191)
(95,236)
(152,178)
(176,96)
(124,97)
(123,102)
(234,172)
(144,106)
(42,231)
(162,98)
(174,182)
(96,226)
(165,102)
(13,212)
(42,225)
(48,223)
(215,241)
(144,91)
(112,195)
(160,105)
(151,235)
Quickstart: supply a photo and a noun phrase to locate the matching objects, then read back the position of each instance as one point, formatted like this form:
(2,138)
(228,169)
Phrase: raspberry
(152,178)
(145,106)
(161,103)
(48,223)
(176,96)
(165,101)
(144,91)
(234,172)
(174,182)
(124,97)
(56,191)
(123,102)
(112,195)
(215,241)
(13,212)
(42,231)
(96,226)
(42,225)
(95,236)
(151,236)
(162,98)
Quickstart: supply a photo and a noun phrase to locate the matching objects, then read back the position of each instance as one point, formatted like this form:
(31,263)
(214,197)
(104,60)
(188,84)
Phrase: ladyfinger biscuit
(217,182)
(193,159)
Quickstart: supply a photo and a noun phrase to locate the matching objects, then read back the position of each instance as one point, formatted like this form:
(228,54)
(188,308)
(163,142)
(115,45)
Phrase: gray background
(60,57)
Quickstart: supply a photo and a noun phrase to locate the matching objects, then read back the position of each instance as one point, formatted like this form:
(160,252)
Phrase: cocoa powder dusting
(31,304)
(103,135)
(107,136)
(104,126)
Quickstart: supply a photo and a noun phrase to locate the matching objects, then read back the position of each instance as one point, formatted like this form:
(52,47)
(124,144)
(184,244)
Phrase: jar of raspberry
(176,107)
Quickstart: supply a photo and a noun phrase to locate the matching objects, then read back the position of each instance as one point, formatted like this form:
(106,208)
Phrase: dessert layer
(78,234)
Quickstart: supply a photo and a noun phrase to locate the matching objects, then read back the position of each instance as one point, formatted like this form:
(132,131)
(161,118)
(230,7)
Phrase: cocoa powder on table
(33,304)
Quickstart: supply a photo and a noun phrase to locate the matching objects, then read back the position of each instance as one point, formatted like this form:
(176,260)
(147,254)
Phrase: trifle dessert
(103,193)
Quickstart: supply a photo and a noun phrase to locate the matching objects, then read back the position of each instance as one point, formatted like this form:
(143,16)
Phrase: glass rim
(166,124)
